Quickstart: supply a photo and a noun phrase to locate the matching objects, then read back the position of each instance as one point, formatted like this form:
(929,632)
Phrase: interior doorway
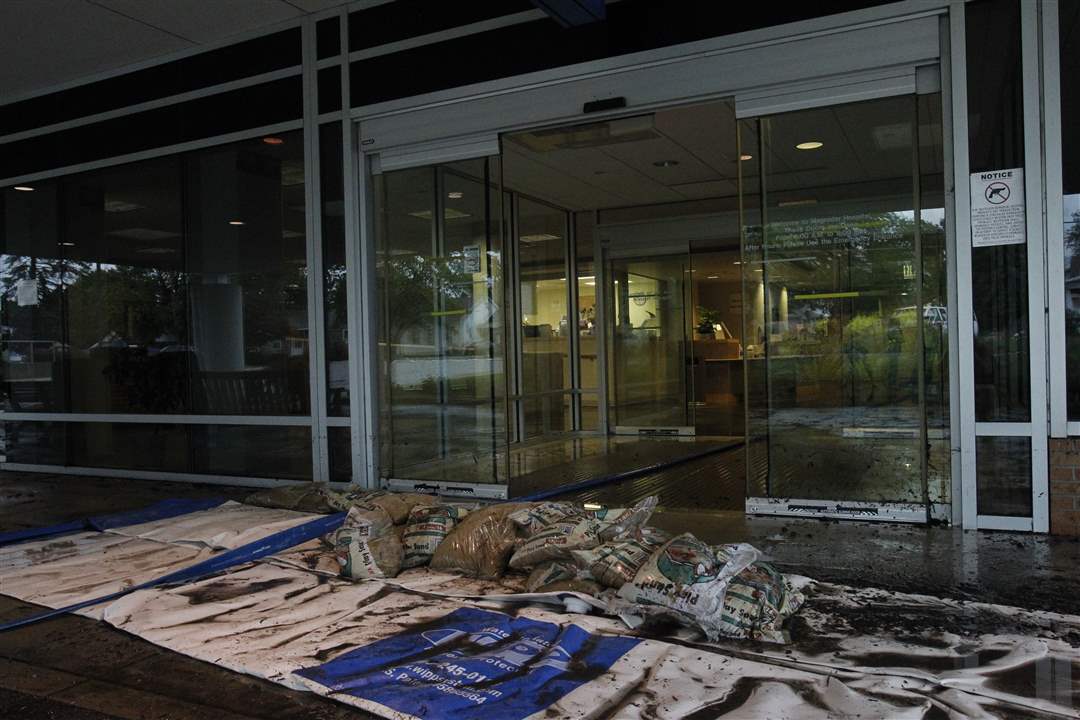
(651,347)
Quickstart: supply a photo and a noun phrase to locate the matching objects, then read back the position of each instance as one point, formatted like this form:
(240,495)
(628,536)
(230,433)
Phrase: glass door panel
(441,344)
(835,308)
(649,331)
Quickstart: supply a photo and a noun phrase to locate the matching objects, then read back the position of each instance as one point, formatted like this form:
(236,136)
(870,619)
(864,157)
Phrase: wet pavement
(72,662)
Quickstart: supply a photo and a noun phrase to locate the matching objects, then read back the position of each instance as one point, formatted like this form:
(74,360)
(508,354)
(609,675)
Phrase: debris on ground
(666,627)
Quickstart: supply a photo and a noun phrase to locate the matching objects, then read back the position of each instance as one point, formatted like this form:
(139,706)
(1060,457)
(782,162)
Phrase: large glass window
(1069,20)
(335,297)
(999,273)
(170,286)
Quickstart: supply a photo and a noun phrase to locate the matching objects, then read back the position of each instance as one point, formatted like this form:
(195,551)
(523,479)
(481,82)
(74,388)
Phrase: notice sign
(26,292)
(471,255)
(997,208)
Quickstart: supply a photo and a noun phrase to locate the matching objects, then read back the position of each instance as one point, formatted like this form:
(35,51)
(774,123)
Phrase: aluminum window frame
(1036,429)
(1049,30)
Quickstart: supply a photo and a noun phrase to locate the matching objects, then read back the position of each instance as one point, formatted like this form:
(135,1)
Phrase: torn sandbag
(426,528)
(480,545)
(685,580)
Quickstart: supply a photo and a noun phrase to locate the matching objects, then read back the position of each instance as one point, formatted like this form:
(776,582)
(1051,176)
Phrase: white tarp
(407,649)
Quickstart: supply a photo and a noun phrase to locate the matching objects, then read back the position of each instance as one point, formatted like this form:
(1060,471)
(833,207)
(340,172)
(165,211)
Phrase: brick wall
(1065,486)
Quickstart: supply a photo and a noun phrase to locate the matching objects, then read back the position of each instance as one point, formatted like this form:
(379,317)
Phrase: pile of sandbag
(640,571)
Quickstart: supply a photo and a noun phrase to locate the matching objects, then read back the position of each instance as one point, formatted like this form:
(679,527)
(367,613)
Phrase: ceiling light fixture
(236,222)
(809,145)
(746,157)
(273,140)
(66,244)
(666,163)
(713,277)
(23,188)
(455,195)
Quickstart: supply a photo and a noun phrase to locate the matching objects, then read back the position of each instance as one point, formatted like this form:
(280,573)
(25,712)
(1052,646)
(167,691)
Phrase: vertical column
(313,232)
(359,286)
(1034,192)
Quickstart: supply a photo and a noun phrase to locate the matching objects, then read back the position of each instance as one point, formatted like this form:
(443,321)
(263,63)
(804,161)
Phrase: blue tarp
(473,664)
(157,511)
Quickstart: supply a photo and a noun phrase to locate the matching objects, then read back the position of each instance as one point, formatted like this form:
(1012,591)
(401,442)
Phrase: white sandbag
(685,580)
(615,563)
(427,527)
(757,602)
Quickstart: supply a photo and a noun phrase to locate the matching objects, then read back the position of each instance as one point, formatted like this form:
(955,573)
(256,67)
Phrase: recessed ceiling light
(809,145)
(66,244)
(23,188)
(455,195)
(737,262)
(236,222)
(746,157)
(273,140)
(666,163)
(713,277)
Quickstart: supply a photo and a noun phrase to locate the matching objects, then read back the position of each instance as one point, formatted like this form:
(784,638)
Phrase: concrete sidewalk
(72,667)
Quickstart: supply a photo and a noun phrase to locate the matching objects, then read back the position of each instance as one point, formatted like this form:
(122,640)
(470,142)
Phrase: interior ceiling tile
(202,22)
(47,42)
(643,156)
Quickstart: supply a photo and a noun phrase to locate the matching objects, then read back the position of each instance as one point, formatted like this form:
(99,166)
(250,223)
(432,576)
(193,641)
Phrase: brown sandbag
(550,572)
(480,545)
(309,497)
(397,505)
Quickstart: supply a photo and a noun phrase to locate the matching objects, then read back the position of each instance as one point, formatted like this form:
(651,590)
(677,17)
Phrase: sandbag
(362,556)
(480,544)
(619,522)
(532,520)
(615,563)
(616,521)
(686,580)
(396,505)
(368,520)
(309,497)
(426,528)
(757,602)
(556,542)
(550,572)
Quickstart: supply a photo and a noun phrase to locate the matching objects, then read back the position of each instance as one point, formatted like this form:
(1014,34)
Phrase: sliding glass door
(442,353)
(843,276)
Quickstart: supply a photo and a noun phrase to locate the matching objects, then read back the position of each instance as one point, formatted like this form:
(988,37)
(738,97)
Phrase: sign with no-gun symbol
(997,208)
